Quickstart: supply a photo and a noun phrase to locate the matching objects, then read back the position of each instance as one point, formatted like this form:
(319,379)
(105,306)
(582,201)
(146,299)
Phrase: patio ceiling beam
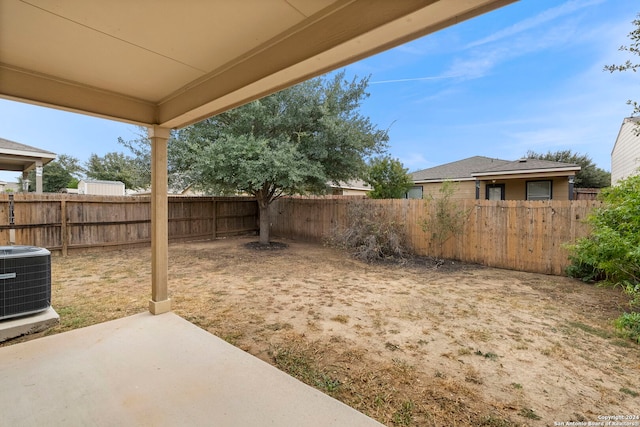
(26,86)
(346,33)
(333,34)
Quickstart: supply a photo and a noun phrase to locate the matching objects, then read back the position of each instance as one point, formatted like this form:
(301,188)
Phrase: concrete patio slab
(16,327)
(147,370)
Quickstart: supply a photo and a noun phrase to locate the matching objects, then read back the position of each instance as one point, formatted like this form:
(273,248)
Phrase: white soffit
(173,62)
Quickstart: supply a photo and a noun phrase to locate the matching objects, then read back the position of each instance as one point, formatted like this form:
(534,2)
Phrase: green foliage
(404,415)
(264,168)
(388,178)
(630,392)
(140,147)
(529,413)
(73,183)
(56,175)
(629,325)
(116,167)
(179,159)
(316,121)
(292,142)
(589,176)
(447,219)
(611,253)
(634,49)
(371,234)
(300,365)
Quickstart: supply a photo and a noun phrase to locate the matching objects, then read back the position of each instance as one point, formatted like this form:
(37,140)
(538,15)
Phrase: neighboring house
(625,156)
(495,179)
(11,187)
(350,188)
(102,188)
(17,157)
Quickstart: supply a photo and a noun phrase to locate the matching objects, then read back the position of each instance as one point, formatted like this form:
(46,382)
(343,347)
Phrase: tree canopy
(388,178)
(116,167)
(295,141)
(589,176)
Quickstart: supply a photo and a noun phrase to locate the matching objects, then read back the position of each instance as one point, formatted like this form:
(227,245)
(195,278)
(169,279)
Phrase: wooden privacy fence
(517,235)
(69,222)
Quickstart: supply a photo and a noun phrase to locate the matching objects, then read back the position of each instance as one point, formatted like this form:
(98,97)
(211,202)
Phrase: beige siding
(625,157)
(561,189)
(354,192)
(465,190)
(515,189)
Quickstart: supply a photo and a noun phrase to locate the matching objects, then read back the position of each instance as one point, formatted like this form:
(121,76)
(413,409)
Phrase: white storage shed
(102,188)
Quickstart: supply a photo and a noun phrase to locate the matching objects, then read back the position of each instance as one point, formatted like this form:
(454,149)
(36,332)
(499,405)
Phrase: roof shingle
(468,168)
(461,169)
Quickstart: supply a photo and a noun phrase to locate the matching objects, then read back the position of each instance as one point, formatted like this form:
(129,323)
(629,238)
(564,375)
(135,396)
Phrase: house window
(539,190)
(495,192)
(415,193)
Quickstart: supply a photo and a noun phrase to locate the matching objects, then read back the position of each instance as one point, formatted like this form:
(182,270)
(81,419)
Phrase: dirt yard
(408,345)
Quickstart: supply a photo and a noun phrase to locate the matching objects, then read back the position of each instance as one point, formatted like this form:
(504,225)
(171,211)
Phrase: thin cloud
(481,61)
(540,19)
(415,79)
(514,41)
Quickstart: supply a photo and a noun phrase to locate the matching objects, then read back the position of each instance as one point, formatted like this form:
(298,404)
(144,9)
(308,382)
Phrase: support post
(25,182)
(160,302)
(572,180)
(38,176)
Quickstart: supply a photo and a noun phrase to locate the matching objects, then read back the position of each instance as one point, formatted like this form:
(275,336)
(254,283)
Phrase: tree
(292,142)
(116,167)
(589,176)
(56,175)
(141,160)
(388,178)
(180,157)
(633,48)
(611,253)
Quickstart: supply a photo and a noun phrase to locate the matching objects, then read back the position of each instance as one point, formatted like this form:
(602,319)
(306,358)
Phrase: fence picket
(67,223)
(519,235)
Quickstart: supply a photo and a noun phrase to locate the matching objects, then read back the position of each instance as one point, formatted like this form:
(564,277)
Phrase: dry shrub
(371,234)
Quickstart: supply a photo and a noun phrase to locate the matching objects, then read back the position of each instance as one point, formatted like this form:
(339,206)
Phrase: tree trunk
(265,224)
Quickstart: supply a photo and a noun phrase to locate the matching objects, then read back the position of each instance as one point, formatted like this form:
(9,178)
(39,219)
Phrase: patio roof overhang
(22,158)
(528,174)
(173,63)
(167,64)
(18,157)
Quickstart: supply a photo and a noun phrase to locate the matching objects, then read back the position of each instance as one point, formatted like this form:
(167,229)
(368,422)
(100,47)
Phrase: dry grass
(409,346)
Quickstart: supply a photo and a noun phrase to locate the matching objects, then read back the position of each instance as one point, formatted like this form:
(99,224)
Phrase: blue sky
(528,76)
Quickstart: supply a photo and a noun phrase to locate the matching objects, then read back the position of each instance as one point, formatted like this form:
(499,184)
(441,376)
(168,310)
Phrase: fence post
(63,227)
(12,231)
(214,216)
